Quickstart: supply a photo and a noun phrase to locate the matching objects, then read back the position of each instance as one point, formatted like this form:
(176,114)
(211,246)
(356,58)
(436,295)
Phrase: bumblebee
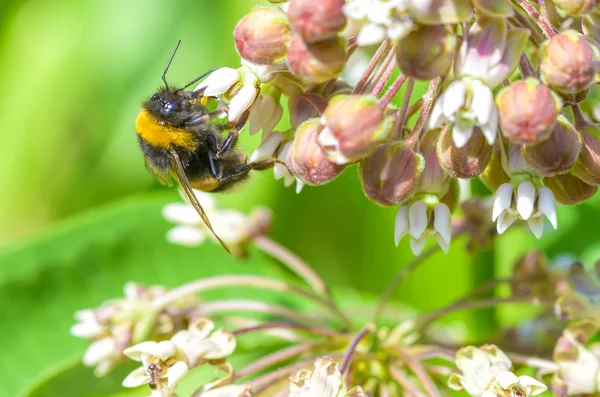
(179,139)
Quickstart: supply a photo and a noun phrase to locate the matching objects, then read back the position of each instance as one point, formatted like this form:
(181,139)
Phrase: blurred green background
(79,215)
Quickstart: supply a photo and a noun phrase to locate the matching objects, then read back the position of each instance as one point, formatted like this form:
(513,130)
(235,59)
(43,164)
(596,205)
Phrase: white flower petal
(219,81)
(400,224)
(274,120)
(483,103)
(186,235)
(444,245)
(506,379)
(417,244)
(489,393)
(461,133)
(490,129)
(536,225)
(454,98)
(547,205)
(371,34)
(417,217)
(181,213)
(525,199)
(163,350)
(356,9)
(98,351)
(504,221)
(279,169)
(400,29)
(532,386)
(442,222)
(502,200)
(241,102)
(88,327)
(135,352)
(136,378)
(326,138)
(437,116)
(326,379)
(288,179)
(176,373)
(299,185)
(268,147)
(265,107)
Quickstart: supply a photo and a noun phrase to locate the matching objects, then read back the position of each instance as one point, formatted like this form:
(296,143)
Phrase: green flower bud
(390,174)
(355,125)
(494,175)
(568,189)
(263,35)
(466,162)
(317,62)
(587,167)
(426,62)
(307,159)
(569,63)
(557,154)
(317,20)
(528,111)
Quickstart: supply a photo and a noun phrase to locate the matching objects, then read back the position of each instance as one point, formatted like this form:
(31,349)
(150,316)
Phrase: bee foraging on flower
(179,139)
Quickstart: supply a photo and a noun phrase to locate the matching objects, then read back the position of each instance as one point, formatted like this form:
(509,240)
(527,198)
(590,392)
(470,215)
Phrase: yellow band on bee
(148,128)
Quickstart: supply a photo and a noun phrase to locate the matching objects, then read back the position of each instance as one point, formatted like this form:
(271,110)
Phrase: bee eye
(173,105)
(155,97)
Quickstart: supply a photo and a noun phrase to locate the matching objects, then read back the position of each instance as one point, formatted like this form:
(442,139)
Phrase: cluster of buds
(119,323)
(521,132)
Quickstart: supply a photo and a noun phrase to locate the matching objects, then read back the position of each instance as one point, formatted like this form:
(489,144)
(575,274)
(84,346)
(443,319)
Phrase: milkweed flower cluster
(502,104)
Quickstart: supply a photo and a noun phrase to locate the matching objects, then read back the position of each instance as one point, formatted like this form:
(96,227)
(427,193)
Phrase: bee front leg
(231,139)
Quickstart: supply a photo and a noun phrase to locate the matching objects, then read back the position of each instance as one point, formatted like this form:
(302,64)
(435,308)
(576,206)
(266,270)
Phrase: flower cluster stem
(539,19)
(417,368)
(347,359)
(383,48)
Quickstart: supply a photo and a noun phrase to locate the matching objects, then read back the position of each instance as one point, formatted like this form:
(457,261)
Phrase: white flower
(160,367)
(420,222)
(227,391)
(282,172)
(268,147)
(200,343)
(325,380)
(102,354)
(230,225)
(578,366)
(486,373)
(264,115)
(525,203)
(380,19)
(466,103)
(88,326)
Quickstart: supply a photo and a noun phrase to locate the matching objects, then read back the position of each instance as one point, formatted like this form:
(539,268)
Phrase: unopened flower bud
(426,62)
(494,174)
(263,35)
(317,20)
(317,62)
(440,11)
(355,125)
(391,173)
(466,162)
(307,159)
(528,111)
(587,166)
(576,8)
(433,179)
(569,62)
(557,154)
(568,189)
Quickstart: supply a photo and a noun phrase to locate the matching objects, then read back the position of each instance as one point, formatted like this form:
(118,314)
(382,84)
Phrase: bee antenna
(199,78)
(164,79)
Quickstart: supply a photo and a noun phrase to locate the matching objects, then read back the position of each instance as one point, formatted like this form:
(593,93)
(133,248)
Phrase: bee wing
(162,176)
(177,169)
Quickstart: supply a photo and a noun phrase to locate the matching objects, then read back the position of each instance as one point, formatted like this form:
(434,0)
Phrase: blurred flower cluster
(502,103)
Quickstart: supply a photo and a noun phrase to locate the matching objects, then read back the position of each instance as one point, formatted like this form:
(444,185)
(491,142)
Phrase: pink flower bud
(317,62)
(557,154)
(426,62)
(569,62)
(390,174)
(317,20)
(528,111)
(305,106)
(576,8)
(568,189)
(433,179)
(587,167)
(355,126)
(466,162)
(307,159)
(263,35)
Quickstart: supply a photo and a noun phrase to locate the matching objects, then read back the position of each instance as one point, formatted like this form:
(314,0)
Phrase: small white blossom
(379,19)
(466,103)
(282,172)
(527,203)
(420,222)
(325,380)
(230,225)
(578,366)
(199,343)
(264,115)
(485,372)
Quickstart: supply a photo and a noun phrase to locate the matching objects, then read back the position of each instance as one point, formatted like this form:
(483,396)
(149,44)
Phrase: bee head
(168,103)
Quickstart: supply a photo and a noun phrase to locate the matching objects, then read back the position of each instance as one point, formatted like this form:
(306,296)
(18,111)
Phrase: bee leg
(233,135)
(264,164)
